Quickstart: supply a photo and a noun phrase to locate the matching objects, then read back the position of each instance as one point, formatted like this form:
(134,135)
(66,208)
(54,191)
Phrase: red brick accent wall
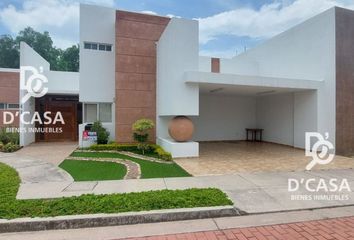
(136,37)
(344,82)
(9,91)
(215,65)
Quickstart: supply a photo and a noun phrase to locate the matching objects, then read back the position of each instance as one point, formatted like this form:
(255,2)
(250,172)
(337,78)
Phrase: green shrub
(162,154)
(151,150)
(10,147)
(9,137)
(1,146)
(140,133)
(102,133)
(114,147)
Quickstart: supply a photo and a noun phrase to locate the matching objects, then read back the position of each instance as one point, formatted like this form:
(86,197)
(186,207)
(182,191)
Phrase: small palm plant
(140,133)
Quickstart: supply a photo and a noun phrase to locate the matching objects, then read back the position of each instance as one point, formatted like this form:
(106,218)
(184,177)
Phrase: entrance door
(67,106)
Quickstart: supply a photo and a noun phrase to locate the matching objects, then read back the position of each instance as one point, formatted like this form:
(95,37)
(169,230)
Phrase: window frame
(97,112)
(12,108)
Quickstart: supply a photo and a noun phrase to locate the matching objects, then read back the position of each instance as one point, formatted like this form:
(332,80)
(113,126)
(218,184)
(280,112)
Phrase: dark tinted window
(102,47)
(87,45)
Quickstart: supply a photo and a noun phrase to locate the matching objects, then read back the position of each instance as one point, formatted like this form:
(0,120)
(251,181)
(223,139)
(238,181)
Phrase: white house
(135,65)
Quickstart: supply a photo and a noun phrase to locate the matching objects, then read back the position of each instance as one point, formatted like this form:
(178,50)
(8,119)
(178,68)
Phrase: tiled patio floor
(241,156)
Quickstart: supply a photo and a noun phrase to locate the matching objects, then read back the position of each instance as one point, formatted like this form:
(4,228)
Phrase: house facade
(135,65)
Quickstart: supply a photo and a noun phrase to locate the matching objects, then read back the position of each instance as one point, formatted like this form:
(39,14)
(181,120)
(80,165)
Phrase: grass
(11,208)
(148,169)
(93,170)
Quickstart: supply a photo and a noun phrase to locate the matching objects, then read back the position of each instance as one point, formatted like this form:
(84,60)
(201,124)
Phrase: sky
(226,27)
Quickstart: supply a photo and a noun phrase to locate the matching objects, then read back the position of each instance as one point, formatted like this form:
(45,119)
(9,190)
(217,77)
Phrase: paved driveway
(240,156)
(50,152)
(38,162)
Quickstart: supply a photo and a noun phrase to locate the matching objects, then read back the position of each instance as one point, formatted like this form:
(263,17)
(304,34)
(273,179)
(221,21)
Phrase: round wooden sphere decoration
(181,128)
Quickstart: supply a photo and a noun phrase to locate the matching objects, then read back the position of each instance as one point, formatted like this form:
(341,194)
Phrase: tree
(69,59)
(9,54)
(102,133)
(42,43)
(140,132)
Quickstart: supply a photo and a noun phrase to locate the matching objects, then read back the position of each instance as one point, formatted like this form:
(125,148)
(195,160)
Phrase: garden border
(101,220)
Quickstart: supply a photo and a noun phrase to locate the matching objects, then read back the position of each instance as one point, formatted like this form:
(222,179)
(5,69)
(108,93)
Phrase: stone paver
(337,228)
(240,156)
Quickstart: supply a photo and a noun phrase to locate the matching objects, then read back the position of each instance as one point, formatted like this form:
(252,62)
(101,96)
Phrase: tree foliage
(42,43)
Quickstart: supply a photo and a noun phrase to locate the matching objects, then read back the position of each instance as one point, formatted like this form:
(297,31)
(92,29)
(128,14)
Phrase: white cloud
(229,53)
(268,21)
(172,16)
(149,12)
(59,17)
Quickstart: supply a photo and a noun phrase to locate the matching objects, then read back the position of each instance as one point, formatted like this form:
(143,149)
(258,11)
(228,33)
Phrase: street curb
(103,220)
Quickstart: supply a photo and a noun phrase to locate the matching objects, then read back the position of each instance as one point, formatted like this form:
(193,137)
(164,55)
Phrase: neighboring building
(9,93)
(135,65)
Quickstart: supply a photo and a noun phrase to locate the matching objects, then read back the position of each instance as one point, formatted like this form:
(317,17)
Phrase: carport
(228,104)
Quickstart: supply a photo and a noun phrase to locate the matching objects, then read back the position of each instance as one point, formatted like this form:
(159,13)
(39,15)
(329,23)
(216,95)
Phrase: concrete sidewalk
(250,192)
(162,228)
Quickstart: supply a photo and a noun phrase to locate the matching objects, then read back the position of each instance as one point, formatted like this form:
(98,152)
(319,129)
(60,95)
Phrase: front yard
(11,208)
(93,170)
(95,166)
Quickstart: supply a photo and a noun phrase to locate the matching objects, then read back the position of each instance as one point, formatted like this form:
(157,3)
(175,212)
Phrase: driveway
(50,152)
(38,162)
(218,158)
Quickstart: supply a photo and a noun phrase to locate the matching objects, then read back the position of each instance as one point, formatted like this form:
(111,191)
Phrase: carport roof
(218,79)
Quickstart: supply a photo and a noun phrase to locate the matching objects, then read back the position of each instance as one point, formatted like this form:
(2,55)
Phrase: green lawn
(93,170)
(148,169)
(11,208)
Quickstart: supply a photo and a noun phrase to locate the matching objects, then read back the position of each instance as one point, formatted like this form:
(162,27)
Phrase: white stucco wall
(204,64)
(97,68)
(224,117)
(306,51)
(305,116)
(28,57)
(177,52)
(63,82)
(275,114)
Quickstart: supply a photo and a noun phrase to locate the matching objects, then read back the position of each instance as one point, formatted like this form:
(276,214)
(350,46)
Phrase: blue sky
(227,27)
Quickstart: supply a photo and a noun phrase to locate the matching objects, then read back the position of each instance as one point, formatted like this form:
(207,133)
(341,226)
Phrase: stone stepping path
(133,169)
(131,154)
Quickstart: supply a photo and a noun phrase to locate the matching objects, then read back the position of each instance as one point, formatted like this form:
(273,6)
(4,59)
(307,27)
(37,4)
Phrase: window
(98,46)
(2,105)
(90,112)
(102,47)
(94,46)
(97,111)
(13,106)
(87,45)
(105,112)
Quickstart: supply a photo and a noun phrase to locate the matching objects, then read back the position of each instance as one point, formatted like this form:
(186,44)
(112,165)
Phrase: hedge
(154,150)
